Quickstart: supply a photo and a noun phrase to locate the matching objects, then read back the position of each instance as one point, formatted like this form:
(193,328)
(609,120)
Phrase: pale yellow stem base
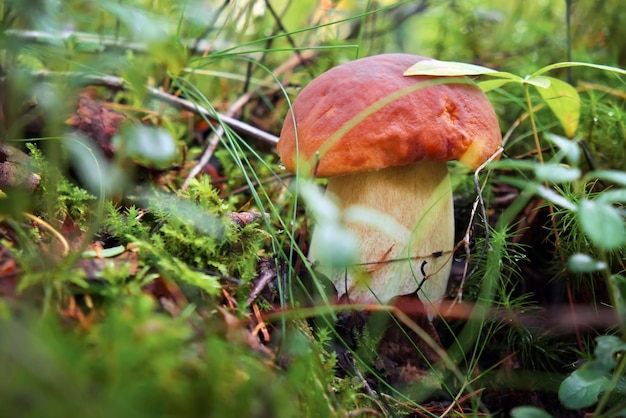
(404,220)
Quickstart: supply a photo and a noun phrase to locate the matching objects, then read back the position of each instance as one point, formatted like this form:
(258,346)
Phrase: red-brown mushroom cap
(383,127)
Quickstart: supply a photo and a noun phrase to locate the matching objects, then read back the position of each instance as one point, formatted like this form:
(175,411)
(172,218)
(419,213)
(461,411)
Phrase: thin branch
(478,202)
(234,124)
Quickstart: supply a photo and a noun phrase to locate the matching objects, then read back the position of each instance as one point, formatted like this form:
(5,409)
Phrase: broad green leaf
(580,391)
(568,147)
(606,348)
(602,223)
(529,412)
(563,100)
(556,173)
(583,263)
(448,68)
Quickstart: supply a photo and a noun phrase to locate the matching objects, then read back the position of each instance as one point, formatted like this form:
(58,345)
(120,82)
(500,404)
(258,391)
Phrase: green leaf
(555,198)
(556,173)
(612,196)
(583,263)
(560,65)
(612,176)
(579,390)
(488,85)
(529,412)
(606,348)
(602,223)
(563,100)
(148,145)
(540,82)
(446,68)
(319,204)
(336,246)
(568,147)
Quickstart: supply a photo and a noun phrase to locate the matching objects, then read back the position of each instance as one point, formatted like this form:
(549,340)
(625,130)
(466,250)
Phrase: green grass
(125,289)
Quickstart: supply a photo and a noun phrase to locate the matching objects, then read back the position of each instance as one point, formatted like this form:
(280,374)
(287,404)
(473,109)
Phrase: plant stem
(617,375)
(531,116)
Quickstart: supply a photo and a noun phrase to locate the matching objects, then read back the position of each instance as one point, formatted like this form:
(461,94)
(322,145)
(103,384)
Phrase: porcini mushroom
(383,140)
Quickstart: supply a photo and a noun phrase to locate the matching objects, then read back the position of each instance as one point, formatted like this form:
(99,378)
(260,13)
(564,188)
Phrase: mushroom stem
(403,218)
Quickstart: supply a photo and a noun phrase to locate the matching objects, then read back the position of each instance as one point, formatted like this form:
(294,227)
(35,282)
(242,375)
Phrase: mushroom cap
(366,115)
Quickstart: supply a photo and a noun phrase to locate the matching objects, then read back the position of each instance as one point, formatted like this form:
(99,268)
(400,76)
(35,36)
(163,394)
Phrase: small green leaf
(555,173)
(579,391)
(105,253)
(602,223)
(583,263)
(529,412)
(568,147)
(564,101)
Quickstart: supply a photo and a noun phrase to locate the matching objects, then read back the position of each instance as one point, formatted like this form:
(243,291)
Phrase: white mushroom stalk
(405,230)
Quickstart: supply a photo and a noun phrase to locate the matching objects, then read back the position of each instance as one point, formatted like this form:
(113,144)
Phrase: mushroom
(383,140)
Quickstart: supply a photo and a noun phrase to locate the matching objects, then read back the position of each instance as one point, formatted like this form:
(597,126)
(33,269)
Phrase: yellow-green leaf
(446,68)
(563,100)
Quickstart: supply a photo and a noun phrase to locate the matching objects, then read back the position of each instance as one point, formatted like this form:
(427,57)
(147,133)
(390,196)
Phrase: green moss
(191,238)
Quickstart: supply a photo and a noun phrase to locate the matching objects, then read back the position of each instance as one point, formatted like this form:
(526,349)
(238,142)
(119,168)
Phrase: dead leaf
(244,218)
(237,332)
(97,122)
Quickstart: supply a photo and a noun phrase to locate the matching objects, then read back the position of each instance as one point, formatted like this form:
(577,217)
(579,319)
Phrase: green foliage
(138,362)
(529,412)
(57,192)
(193,240)
(125,224)
(582,388)
(565,147)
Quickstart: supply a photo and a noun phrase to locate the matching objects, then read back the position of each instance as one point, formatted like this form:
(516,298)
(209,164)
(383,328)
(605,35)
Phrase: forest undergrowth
(153,248)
